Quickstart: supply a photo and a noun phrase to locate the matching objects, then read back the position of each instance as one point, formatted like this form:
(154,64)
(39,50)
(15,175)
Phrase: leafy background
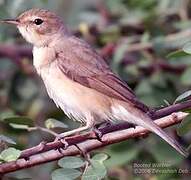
(145,42)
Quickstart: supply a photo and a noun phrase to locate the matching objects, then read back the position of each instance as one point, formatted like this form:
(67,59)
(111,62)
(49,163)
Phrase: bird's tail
(139,118)
(152,126)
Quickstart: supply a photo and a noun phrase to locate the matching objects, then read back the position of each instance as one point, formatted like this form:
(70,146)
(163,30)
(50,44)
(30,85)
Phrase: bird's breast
(73,98)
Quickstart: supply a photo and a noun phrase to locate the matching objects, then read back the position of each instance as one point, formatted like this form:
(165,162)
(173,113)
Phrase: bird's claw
(132,125)
(98,134)
(63,141)
(42,145)
(58,137)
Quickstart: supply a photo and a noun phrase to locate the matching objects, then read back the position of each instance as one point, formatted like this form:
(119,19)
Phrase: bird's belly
(76,100)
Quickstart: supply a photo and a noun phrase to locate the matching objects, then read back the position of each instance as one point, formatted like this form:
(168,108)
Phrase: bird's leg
(69,133)
(151,113)
(61,136)
(97,131)
(88,125)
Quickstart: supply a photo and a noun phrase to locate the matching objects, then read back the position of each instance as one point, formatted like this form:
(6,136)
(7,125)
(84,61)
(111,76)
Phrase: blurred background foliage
(135,37)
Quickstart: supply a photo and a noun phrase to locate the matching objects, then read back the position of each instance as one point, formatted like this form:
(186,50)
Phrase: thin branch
(170,109)
(168,41)
(15,51)
(87,142)
(156,65)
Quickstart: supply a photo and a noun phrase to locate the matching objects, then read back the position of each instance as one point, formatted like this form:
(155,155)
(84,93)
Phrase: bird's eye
(38,21)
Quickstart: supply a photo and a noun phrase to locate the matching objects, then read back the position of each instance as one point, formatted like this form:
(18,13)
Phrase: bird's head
(39,26)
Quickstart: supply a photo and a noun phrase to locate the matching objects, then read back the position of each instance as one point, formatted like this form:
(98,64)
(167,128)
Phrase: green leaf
(187,48)
(6,114)
(144,87)
(189,147)
(121,158)
(185,126)
(110,34)
(6,139)
(19,126)
(96,171)
(182,25)
(158,79)
(163,152)
(166,102)
(177,54)
(19,120)
(65,174)
(158,43)
(71,162)
(118,56)
(183,96)
(20,177)
(53,123)
(10,154)
(185,78)
(145,37)
(101,157)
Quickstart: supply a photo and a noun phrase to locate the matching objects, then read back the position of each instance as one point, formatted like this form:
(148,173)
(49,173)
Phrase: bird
(78,79)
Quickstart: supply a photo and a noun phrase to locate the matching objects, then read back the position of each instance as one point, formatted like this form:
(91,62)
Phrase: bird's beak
(10,21)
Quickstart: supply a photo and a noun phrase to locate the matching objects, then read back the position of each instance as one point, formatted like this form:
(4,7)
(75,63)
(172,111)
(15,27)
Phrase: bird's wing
(79,62)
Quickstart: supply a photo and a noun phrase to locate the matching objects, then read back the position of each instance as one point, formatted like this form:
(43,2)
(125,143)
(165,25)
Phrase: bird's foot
(62,139)
(60,136)
(98,134)
(65,143)
(131,125)
(151,113)
(42,145)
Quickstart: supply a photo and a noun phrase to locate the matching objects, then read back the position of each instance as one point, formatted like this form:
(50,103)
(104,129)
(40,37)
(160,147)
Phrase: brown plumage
(89,69)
